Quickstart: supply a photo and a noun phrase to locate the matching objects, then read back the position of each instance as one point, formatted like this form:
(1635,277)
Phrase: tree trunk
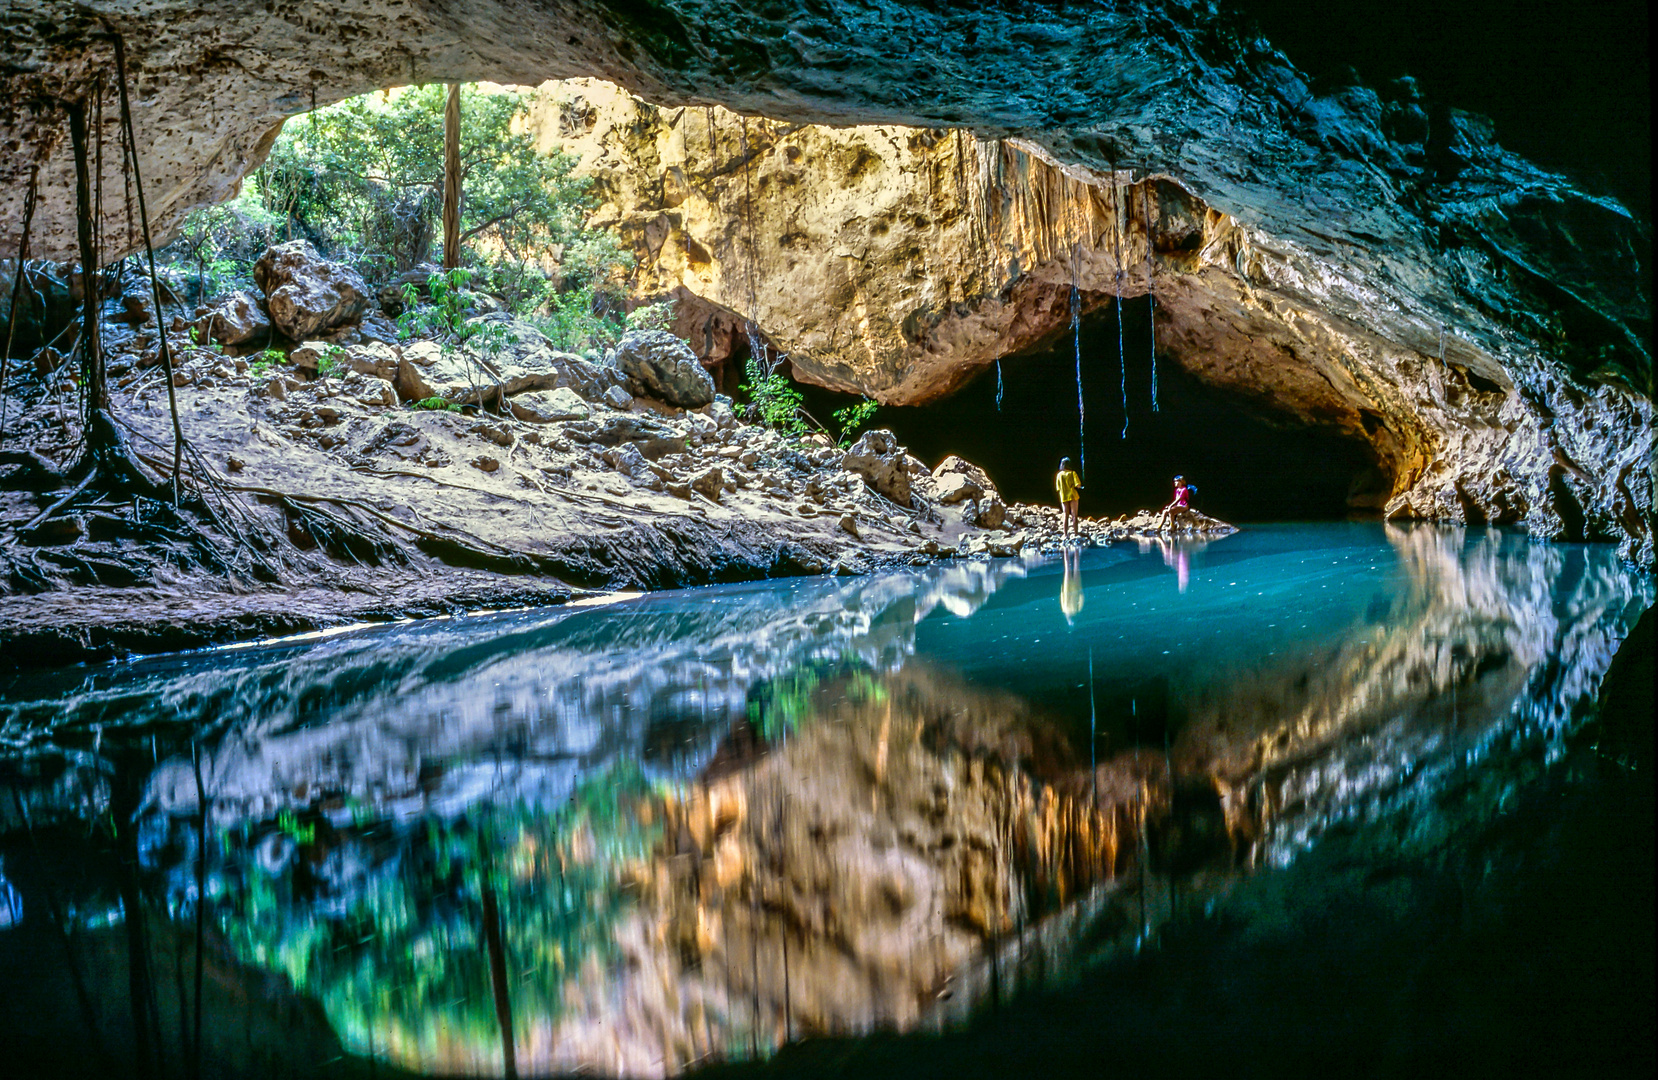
(452,178)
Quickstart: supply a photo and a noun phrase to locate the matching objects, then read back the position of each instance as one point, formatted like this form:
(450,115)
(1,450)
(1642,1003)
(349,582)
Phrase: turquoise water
(739,815)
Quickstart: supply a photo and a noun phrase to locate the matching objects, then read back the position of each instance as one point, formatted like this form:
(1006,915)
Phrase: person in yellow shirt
(1069,486)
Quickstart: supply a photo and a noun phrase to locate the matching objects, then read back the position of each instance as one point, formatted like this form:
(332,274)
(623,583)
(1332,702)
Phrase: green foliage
(332,364)
(656,316)
(397,958)
(436,404)
(364,177)
(582,320)
(444,318)
(775,398)
(783,704)
(363,181)
(218,245)
(266,362)
(289,824)
(854,418)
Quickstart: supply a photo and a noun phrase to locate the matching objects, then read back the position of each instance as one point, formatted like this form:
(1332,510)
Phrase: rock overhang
(1395,232)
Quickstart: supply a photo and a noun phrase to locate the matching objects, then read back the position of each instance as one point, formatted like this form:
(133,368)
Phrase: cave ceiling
(1484,321)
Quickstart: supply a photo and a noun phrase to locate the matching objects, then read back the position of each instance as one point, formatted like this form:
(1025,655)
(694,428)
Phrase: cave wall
(900,262)
(1347,235)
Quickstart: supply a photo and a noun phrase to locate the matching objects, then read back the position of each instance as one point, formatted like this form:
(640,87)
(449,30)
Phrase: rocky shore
(357,477)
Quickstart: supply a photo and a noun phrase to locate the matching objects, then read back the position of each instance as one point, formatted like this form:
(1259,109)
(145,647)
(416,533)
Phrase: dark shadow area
(1595,119)
(1246,469)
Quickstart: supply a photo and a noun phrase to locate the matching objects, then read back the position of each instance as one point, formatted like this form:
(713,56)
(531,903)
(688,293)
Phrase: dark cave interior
(1245,467)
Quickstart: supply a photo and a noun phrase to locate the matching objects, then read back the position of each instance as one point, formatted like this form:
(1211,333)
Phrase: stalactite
(1076,342)
(1151,298)
(1117,236)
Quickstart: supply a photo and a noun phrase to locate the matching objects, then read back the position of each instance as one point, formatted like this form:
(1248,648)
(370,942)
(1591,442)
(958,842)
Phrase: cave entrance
(1248,467)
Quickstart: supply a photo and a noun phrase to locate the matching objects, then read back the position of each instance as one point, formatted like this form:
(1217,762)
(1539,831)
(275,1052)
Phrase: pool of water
(693,827)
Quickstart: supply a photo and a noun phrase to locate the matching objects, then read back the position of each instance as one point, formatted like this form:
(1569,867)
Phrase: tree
(365,179)
(452,178)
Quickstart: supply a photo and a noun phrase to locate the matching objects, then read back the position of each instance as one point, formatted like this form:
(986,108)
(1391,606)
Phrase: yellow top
(1068,484)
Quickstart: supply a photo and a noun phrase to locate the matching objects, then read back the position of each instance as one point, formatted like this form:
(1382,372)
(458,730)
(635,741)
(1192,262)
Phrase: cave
(1248,464)
(583,593)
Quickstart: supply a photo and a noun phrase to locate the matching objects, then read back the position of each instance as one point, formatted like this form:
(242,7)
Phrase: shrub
(775,399)
(853,418)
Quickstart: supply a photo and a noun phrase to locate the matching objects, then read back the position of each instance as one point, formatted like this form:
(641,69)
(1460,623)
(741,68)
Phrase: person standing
(1069,486)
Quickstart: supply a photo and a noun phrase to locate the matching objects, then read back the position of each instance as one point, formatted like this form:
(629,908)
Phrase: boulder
(709,483)
(955,487)
(305,293)
(660,365)
(546,406)
(375,327)
(617,399)
(370,389)
(427,370)
(374,359)
(309,355)
(882,463)
(957,480)
(234,320)
(992,512)
(654,438)
(627,459)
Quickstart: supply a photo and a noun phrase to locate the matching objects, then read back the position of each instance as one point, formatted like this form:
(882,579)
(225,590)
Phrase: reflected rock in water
(693,828)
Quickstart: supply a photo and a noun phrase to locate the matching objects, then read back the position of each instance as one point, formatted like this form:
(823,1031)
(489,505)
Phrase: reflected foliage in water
(696,826)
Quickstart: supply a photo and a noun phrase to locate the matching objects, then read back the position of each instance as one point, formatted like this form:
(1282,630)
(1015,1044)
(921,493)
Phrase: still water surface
(690,827)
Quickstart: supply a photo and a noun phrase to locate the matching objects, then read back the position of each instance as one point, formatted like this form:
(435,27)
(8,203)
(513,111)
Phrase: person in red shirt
(1182,503)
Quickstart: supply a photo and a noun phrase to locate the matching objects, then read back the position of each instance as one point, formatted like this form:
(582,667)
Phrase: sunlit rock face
(1355,259)
(929,254)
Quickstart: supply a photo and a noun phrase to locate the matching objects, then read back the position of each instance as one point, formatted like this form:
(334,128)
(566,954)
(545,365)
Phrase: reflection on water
(1070,588)
(694,826)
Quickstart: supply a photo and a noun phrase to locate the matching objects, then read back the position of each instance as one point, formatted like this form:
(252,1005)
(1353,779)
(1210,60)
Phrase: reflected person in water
(1178,557)
(1070,589)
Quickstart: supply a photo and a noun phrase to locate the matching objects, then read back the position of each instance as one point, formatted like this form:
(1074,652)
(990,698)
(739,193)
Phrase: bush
(854,418)
(775,399)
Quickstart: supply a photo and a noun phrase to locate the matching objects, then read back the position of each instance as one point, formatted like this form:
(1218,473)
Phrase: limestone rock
(662,366)
(709,483)
(617,399)
(955,487)
(1321,247)
(991,513)
(307,294)
(653,437)
(235,320)
(373,358)
(427,370)
(370,390)
(546,406)
(309,355)
(878,458)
